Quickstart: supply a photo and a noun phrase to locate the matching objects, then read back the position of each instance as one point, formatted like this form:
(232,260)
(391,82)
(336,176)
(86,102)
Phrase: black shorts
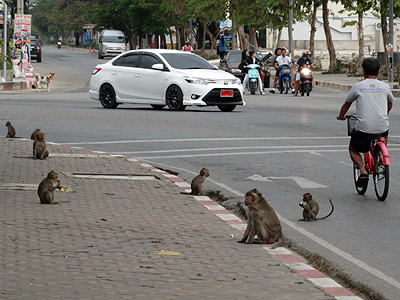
(361,141)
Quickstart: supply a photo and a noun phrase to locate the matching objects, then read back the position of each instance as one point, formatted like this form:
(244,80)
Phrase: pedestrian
(278,52)
(222,47)
(374,100)
(187,47)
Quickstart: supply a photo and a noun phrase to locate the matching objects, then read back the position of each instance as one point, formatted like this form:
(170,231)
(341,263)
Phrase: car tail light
(95,71)
(38,47)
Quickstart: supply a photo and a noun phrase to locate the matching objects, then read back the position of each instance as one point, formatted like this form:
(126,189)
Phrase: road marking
(283,138)
(375,272)
(304,183)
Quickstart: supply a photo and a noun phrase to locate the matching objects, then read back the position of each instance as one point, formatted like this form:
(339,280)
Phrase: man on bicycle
(374,101)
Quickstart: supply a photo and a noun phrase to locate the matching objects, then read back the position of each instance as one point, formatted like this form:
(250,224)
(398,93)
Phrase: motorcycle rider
(303,60)
(252,59)
(284,60)
(277,54)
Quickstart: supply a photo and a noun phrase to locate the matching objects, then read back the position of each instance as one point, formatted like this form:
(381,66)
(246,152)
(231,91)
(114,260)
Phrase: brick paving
(124,239)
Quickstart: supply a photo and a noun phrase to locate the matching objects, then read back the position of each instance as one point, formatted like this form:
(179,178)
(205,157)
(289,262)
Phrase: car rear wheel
(107,96)
(174,97)
(39,58)
(226,108)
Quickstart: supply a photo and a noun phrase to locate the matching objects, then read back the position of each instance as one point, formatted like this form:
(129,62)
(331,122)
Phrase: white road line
(231,148)
(218,139)
(318,240)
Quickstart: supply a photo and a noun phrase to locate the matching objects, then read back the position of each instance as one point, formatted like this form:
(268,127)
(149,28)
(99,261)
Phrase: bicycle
(376,162)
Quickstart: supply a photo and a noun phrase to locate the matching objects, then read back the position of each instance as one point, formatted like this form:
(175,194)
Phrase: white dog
(40,80)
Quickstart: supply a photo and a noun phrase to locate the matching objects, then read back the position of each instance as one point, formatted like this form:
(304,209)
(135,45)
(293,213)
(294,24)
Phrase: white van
(111,43)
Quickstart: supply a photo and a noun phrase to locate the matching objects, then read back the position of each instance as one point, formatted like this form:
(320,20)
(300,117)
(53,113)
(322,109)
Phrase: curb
(283,255)
(16,85)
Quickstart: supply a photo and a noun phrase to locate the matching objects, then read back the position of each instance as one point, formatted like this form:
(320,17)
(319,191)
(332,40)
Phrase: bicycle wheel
(381,175)
(356,174)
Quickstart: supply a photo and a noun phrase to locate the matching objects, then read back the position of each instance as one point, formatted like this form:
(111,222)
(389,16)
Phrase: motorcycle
(306,77)
(253,77)
(285,77)
(265,69)
(58,45)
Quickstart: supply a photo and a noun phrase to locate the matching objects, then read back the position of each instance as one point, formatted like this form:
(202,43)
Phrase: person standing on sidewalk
(374,100)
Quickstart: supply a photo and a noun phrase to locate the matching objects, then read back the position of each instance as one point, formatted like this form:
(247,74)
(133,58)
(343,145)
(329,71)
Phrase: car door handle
(114,73)
(138,76)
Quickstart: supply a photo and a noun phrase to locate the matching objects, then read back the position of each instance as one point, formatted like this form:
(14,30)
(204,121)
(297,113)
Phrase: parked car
(160,78)
(231,61)
(111,43)
(36,50)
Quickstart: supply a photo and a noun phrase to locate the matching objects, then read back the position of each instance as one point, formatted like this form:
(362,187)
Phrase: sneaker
(262,93)
(293,91)
(272,91)
(362,181)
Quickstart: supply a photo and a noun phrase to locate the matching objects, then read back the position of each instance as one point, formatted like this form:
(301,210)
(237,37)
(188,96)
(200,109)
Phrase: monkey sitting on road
(197,183)
(39,147)
(261,221)
(35,134)
(10,130)
(311,208)
(46,188)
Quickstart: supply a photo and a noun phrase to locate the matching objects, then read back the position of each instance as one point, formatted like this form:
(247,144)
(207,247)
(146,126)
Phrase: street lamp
(390,58)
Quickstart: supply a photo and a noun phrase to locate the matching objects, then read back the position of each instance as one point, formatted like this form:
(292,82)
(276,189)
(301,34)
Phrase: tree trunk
(385,36)
(253,37)
(328,35)
(203,44)
(360,36)
(313,29)
(170,37)
(278,41)
(178,37)
(213,39)
(242,37)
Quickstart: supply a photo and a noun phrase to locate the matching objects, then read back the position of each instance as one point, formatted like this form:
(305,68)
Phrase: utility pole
(5,42)
(20,7)
(290,28)
(390,58)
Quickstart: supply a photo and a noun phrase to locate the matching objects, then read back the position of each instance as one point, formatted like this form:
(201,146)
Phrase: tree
(328,35)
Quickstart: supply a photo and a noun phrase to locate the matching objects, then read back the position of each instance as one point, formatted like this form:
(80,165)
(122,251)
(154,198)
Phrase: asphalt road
(284,146)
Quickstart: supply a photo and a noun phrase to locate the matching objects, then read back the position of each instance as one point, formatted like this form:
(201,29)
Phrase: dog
(41,80)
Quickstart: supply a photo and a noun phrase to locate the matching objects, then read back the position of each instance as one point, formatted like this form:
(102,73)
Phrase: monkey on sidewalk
(10,130)
(197,183)
(40,147)
(311,208)
(47,187)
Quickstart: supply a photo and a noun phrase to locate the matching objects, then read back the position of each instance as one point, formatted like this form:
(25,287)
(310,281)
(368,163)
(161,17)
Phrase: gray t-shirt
(372,98)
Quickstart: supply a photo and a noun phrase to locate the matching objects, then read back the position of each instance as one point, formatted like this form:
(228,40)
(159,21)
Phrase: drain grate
(26,187)
(111,176)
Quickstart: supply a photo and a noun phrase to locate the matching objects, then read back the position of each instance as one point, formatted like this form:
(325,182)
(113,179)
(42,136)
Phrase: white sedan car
(164,77)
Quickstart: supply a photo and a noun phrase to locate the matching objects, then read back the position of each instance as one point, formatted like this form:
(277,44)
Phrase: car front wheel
(174,98)
(107,96)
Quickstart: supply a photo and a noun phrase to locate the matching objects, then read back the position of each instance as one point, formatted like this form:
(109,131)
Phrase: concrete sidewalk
(135,237)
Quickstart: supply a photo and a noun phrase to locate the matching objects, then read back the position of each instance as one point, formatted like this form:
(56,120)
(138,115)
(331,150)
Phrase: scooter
(285,77)
(253,77)
(306,77)
(58,45)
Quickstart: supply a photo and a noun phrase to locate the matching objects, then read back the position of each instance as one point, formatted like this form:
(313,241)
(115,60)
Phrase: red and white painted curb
(285,256)
(16,85)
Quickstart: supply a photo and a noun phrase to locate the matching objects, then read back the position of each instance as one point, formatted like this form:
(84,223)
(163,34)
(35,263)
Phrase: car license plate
(226,93)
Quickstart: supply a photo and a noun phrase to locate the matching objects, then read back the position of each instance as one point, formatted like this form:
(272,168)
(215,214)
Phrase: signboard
(225,28)
(22,40)
(389,48)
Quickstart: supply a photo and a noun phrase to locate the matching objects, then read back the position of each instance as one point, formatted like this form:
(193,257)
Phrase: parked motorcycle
(59,45)
(306,77)
(253,77)
(285,77)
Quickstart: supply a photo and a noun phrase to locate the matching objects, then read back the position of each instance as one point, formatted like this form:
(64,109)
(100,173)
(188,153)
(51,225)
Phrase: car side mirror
(159,67)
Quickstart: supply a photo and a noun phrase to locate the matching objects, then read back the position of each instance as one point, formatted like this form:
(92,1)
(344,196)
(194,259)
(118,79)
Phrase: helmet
(304,52)
(309,52)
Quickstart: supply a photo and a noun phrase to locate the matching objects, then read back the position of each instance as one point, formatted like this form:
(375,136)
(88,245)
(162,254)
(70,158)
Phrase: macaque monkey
(261,221)
(35,133)
(197,183)
(39,147)
(46,188)
(311,208)
(10,130)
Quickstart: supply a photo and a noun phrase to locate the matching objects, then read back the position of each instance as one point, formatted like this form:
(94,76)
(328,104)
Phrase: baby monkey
(47,186)
(311,208)
(197,183)
(40,147)
(35,134)
(10,130)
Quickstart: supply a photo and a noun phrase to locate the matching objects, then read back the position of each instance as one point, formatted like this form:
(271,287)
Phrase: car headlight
(236,71)
(237,81)
(197,80)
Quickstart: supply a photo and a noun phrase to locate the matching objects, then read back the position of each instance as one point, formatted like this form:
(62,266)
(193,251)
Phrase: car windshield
(234,57)
(186,61)
(113,39)
(33,43)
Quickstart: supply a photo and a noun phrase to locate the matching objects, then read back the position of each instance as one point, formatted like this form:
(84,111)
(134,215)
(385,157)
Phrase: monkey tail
(333,208)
